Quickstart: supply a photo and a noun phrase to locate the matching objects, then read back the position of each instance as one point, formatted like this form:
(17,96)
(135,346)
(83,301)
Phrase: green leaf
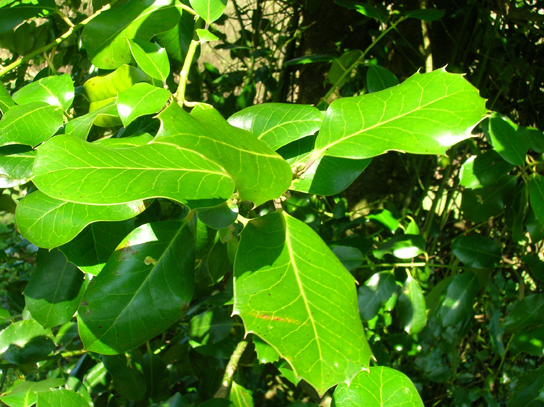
(536,265)
(145,286)
(278,124)
(81,126)
(30,124)
(48,222)
(529,341)
(402,246)
(74,170)
(210,326)
(25,342)
(205,36)
(218,217)
(177,39)
(375,293)
(133,141)
(24,393)
(534,137)
(139,100)
(379,78)
(265,352)
(477,251)
(106,87)
(506,140)
(209,10)
(14,12)
(128,381)
(536,196)
(411,307)
(426,114)
(258,172)
(6,102)
(60,397)
(309,59)
(53,291)
(483,170)
(431,14)
(459,300)
(105,37)
(292,291)
(526,313)
(54,90)
(350,257)
(363,8)
(91,248)
(240,396)
(341,67)
(379,387)
(151,58)
(385,218)
(15,165)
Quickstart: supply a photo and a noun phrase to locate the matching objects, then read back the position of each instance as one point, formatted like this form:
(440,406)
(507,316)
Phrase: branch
(231,368)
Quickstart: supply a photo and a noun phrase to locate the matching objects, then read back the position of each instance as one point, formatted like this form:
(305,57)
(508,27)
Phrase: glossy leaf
(25,342)
(411,307)
(205,35)
(6,101)
(48,222)
(30,124)
(293,292)
(81,126)
(526,313)
(53,90)
(529,341)
(385,218)
(60,397)
(265,352)
(477,251)
(74,170)
(128,381)
(278,124)
(105,87)
(536,196)
(210,326)
(145,286)
(151,58)
(240,396)
(105,37)
(459,299)
(53,291)
(375,293)
(15,165)
(379,387)
(426,114)
(139,100)
(218,217)
(133,141)
(209,10)
(402,246)
(91,248)
(14,12)
(176,40)
(258,172)
(25,394)
(506,141)
(483,170)
(379,78)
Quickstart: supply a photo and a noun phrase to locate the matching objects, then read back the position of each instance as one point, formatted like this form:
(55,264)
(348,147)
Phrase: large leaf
(411,307)
(176,41)
(73,170)
(60,397)
(536,196)
(526,313)
(259,173)
(151,58)
(52,294)
(209,10)
(25,394)
(15,165)
(53,90)
(91,248)
(379,387)
(145,286)
(278,124)
(426,114)
(376,292)
(506,140)
(477,251)
(48,222)
(25,342)
(139,100)
(14,12)
(292,291)
(30,124)
(459,300)
(105,37)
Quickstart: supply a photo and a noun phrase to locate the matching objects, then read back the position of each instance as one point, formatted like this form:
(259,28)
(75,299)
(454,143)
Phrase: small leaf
(476,251)
(13,12)
(53,291)
(402,246)
(505,139)
(350,257)
(293,292)
(385,218)
(209,10)
(30,124)
(529,341)
(132,299)
(379,78)
(48,222)
(81,126)
(375,293)
(25,342)
(309,59)
(341,67)
(54,90)
(459,300)
(6,102)
(526,313)
(536,196)
(278,124)
(379,387)
(265,352)
(151,58)
(139,100)
(60,397)
(426,114)
(218,217)
(431,14)
(16,163)
(25,393)
(411,307)
(128,381)
(100,88)
(483,170)
(205,36)
(210,326)
(240,396)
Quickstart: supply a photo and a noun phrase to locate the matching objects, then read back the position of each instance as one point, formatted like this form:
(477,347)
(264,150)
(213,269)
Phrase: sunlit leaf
(240,396)
(60,397)
(209,10)
(25,394)
(53,90)
(25,342)
(151,58)
(6,100)
(139,100)
(81,126)
(15,165)
(375,292)
(411,307)
(483,170)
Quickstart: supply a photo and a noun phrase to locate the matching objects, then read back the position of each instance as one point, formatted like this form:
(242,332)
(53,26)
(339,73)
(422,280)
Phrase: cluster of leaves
(177,245)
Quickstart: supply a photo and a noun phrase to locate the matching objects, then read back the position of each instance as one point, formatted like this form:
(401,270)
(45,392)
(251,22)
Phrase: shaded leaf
(426,114)
(177,39)
(350,257)
(375,293)
(431,14)
(411,307)
(128,381)
(459,299)
(81,126)
(240,396)
(483,170)
(24,394)
(526,313)
(54,90)
(210,326)
(341,67)
(145,286)
(218,217)
(402,246)
(477,251)
(209,10)
(151,58)
(15,165)
(536,196)
(529,341)
(14,12)
(292,291)
(25,342)
(506,140)
(379,78)
(49,222)
(60,397)
(139,100)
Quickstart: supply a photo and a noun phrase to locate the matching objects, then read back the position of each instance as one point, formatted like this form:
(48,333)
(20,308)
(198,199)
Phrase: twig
(231,368)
